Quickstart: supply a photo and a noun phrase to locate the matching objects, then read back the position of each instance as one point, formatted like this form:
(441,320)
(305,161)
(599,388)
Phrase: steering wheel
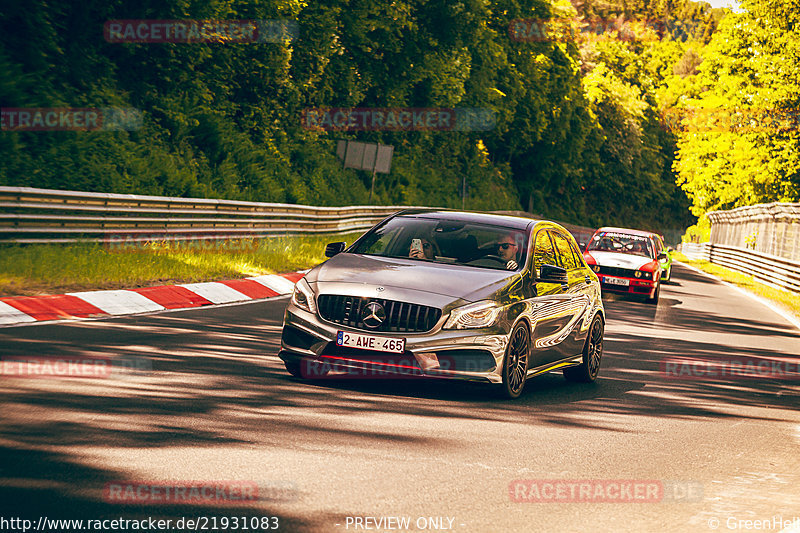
(495,257)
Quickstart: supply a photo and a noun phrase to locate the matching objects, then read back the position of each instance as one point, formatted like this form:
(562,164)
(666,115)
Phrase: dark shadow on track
(214,379)
(36,483)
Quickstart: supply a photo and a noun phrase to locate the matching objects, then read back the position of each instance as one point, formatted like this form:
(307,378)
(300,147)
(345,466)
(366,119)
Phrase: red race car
(626,261)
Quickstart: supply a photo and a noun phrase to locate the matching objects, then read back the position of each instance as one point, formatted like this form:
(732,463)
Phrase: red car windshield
(621,243)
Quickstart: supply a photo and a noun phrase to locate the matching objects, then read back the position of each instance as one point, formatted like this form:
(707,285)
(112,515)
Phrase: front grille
(400,316)
(617,271)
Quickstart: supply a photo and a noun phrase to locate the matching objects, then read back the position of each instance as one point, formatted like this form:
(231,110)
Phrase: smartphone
(416,244)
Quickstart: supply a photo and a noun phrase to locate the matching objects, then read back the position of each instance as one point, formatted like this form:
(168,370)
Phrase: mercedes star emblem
(373,315)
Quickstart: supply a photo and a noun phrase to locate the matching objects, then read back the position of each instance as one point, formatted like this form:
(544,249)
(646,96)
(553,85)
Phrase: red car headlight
(647,271)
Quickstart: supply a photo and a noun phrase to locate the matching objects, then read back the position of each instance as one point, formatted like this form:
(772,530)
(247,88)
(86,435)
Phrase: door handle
(588,279)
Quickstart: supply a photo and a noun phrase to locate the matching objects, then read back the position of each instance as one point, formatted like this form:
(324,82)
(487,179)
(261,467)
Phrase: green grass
(784,299)
(53,269)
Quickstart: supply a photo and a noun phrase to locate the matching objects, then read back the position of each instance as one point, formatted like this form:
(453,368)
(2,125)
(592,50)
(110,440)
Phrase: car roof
(513,222)
(628,231)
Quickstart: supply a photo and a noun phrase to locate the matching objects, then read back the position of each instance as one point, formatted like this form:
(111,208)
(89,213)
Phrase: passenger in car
(427,250)
(606,244)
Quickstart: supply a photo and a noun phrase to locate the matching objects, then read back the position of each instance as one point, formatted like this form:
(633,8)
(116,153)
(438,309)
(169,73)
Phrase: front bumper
(636,286)
(472,354)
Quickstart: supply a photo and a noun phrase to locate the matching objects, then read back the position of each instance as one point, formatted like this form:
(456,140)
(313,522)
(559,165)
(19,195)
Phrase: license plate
(616,281)
(370,342)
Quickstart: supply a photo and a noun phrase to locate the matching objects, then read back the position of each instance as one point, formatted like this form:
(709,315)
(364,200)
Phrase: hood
(397,275)
(619,260)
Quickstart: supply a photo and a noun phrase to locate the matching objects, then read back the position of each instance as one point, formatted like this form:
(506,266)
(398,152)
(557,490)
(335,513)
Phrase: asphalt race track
(205,398)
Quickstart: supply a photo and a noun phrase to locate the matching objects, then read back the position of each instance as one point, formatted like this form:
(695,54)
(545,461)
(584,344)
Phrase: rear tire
(588,370)
(515,364)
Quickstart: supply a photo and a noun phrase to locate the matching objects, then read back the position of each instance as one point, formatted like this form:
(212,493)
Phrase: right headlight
(477,315)
(303,296)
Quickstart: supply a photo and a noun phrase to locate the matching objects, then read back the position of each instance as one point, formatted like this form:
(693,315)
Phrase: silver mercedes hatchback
(448,294)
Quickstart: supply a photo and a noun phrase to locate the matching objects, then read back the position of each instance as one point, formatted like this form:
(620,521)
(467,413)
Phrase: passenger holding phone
(421,248)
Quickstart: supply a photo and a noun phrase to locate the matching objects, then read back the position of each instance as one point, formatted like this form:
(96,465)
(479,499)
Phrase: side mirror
(552,274)
(335,248)
(670,249)
(661,256)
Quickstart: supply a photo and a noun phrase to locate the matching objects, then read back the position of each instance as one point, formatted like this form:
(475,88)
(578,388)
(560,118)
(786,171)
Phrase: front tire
(588,370)
(515,364)
(654,299)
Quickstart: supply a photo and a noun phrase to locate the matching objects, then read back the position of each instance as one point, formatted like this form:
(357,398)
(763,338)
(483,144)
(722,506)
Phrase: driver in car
(507,250)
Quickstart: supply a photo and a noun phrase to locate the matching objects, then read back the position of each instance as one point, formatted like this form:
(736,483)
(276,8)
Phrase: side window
(578,255)
(543,253)
(650,248)
(655,244)
(564,251)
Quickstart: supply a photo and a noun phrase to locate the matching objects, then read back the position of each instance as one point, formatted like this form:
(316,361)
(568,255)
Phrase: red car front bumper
(641,287)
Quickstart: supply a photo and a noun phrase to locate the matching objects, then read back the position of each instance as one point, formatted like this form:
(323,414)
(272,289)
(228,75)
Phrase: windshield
(447,241)
(622,243)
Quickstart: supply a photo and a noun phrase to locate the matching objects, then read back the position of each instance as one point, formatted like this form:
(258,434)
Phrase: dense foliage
(741,139)
(578,135)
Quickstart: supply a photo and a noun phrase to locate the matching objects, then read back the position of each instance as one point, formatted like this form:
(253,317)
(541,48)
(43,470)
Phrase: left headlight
(477,315)
(303,296)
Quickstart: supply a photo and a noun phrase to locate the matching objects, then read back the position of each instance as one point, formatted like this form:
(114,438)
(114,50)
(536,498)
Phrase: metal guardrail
(695,251)
(29,215)
(772,229)
(768,269)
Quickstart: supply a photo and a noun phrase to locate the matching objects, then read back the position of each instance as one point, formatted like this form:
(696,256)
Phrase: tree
(741,141)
